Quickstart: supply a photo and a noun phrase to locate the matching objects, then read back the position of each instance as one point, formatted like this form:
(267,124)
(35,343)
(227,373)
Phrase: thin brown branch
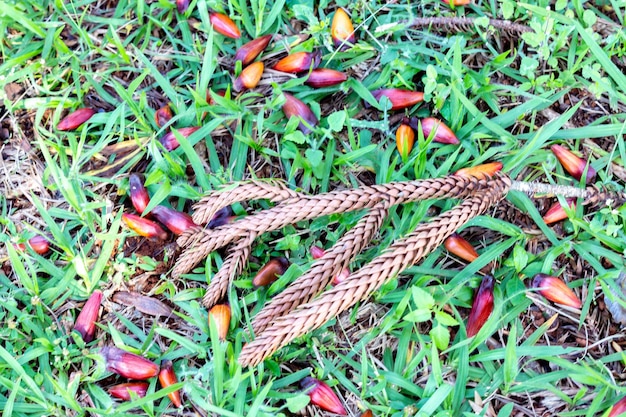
(468,24)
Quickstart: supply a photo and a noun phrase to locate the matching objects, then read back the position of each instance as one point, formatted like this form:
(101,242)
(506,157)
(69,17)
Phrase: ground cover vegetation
(170,99)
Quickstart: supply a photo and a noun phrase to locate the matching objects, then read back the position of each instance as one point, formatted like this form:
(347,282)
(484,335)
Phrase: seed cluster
(153,222)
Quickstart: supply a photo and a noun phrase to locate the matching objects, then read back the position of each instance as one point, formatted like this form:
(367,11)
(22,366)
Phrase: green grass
(404,352)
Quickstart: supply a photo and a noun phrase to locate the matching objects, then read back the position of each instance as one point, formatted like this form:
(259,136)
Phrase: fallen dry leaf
(143,303)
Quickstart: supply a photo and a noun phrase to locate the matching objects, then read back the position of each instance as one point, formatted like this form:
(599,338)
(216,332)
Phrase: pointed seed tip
(167,377)
(573,164)
(128,364)
(122,391)
(556,290)
(443,134)
(144,227)
(342,29)
(458,246)
(298,62)
(322,396)
(75,119)
(405,138)
(249,51)
(224,25)
(221,315)
(482,307)
(399,98)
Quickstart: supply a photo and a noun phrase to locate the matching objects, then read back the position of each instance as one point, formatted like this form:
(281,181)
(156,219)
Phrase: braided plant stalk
(237,192)
(292,313)
(233,265)
(324,269)
(200,242)
(360,284)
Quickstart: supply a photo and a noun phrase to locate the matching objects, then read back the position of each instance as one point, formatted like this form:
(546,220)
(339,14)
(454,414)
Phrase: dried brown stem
(201,242)
(591,195)
(468,24)
(286,317)
(233,265)
(324,269)
(237,192)
(362,283)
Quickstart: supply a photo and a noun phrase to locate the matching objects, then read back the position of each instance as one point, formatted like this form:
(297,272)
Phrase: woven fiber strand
(233,265)
(272,190)
(307,286)
(201,242)
(468,24)
(360,284)
(308,207)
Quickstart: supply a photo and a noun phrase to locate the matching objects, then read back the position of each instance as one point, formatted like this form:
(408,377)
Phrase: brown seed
(482,306)
(182,5)
(460,247)
(163,115)
(19,246)
(458,2)
(128,364)
(341,29)
(248,52)
(296,108)
(324,77)
(177,222)
(443,134)
(73,120)
(556,213)
(554,289)
(317,253)
(138,194)
(341,276)
(39,244)
(210,101)
(249,77)
(221,221)
(619,408)
(209,98)
(400,99)
(170,142)
(220,315)
(224,25)
(167,377)
(298,62)
(574,165)
(221,217)
(405,137)
(144,227)
(323,396)
(480,171)
(270,272)
(86,321)
(122,391)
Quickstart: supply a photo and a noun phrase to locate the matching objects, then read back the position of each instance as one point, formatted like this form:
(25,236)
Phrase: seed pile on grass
(277,103)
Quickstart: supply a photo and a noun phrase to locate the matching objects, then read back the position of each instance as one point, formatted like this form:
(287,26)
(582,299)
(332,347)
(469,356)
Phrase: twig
(550,189)
(467,24)
(591,195)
